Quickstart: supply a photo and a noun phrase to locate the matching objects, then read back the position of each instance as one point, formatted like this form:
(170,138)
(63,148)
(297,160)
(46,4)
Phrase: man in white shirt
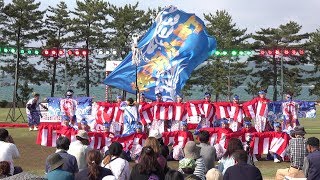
(8,151)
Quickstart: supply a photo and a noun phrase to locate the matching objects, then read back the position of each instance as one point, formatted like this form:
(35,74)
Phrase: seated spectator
(4,169)
(9,151)
(227,160)
(154,144)
(164,149)
(207,152)
(242,170)
(187,166)
(297,152)
(311,165)
(55,162)
(80,148)
(173,175)
(148,166)
(120,167)
(94,171)
(214,174)
(70,162)
(192,151)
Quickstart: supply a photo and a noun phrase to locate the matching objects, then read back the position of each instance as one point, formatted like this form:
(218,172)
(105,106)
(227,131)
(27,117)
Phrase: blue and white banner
(84,106)
(172,48)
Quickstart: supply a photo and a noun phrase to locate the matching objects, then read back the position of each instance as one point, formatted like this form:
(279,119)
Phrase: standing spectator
(33,112)
(154,144)
(297,152)
(55,172)
(4,169)
(94,171)
(227,160)
(8,151)
(148,167)
(80,148)
(207,152)
(242,170)
(311,165)
(70,162)
(192,151)
(173,175)
(119,167)
(214,174)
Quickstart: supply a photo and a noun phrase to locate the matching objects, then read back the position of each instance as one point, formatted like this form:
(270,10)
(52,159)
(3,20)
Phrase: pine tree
(87,28)
(314,54)
(269,67)
(222,74)
(57,27)
(22,24)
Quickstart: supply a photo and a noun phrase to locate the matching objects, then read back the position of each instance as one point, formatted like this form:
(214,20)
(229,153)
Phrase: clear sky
(250,14)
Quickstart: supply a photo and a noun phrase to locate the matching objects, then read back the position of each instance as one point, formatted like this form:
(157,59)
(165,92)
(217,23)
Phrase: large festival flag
(171,49)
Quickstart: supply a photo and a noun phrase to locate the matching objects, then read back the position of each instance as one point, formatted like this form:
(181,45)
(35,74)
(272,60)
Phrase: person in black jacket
(242,170)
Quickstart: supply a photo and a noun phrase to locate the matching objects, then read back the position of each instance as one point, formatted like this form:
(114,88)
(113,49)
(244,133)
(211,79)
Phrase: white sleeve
(14,151)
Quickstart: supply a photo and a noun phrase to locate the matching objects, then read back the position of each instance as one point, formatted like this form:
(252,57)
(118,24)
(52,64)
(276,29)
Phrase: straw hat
(83,134)
(55,161)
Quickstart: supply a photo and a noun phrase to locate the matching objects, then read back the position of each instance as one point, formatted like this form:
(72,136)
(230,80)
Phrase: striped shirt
(200,169)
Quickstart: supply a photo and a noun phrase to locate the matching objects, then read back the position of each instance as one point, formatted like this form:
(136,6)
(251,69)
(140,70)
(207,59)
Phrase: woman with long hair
(227,159)
(155,145)
(119,167)
(148,167)
(94,171)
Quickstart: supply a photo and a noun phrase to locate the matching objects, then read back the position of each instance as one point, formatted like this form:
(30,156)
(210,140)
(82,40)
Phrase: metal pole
(137,88)
(229,82)
(282,83)
(66,73)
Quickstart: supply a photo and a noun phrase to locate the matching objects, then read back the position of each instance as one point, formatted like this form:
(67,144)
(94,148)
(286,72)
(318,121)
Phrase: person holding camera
(9,151)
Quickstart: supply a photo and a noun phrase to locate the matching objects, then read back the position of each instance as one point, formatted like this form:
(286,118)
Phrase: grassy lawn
(33,156)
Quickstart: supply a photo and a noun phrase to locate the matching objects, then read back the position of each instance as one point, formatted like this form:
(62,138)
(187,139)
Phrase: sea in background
(99,93)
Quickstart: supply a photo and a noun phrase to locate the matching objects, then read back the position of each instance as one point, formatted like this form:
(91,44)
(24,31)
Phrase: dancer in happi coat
(257,109)
(290,112)
(130,117)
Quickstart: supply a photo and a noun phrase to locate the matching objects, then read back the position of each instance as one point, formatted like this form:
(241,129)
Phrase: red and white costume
(290,113)
(257,109)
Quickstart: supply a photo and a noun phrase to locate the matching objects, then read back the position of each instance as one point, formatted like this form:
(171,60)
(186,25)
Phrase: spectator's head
(204,136)
(63,143)
(299,131)
(55,161)
(148,160)
(3,134)
(233,145)
(94,159)
(240,156)
(312,144)
(187,165)
(153,143)
(5,168)
(191,150)
(115,149)
(173,175)
(83,137)
(214,174)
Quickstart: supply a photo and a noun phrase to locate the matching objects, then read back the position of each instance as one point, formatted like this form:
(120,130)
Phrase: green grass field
(33,156)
